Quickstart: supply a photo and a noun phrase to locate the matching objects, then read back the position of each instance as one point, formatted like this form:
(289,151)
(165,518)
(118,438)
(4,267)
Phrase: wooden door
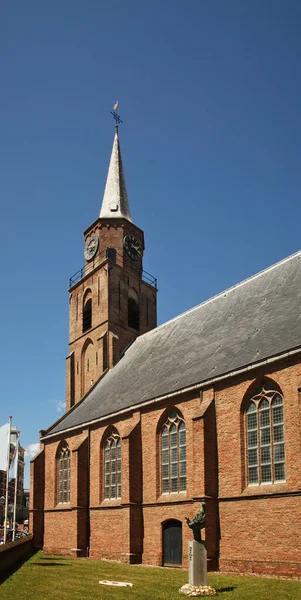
(172,543)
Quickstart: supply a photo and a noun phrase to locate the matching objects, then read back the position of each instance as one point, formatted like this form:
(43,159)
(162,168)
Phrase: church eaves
(115,201)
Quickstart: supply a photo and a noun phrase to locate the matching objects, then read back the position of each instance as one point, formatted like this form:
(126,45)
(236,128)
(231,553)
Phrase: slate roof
(252,321)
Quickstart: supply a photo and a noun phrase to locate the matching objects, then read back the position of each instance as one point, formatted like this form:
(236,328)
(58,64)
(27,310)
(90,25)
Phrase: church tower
(111,299)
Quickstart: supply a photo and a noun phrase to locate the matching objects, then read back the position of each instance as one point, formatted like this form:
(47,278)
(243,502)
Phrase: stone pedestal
(197,561)
(197,569)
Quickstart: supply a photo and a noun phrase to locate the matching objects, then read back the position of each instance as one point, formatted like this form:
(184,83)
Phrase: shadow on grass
(51,558)
(225,589)
(49,564)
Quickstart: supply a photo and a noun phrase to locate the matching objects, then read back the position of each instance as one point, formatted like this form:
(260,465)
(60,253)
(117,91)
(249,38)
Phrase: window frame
(112,467)
(63,475)
(173,479)
(262,438)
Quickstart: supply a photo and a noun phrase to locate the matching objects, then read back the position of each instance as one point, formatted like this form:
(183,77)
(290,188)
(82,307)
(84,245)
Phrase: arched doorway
(172,543)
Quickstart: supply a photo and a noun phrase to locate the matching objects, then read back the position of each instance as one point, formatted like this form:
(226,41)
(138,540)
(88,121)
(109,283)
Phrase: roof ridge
(227,290)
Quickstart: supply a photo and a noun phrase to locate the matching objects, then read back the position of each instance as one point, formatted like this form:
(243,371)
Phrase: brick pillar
(197,474)
(113,349)
(36,499)
(205,470)
(79,495)
(132,486)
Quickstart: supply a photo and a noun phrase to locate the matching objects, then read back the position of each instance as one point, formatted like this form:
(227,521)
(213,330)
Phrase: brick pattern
(109,285)
(36,497)
(248,529)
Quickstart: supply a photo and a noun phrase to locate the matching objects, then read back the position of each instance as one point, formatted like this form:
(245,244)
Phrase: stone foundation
(197,590)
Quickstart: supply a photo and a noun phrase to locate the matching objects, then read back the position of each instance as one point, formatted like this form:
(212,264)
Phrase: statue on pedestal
(197,558)
(198,523)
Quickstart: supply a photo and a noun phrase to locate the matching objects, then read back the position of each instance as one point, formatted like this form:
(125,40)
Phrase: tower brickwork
(111,300)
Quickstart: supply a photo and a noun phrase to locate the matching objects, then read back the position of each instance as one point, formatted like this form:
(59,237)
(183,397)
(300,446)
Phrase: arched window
(112,467)
(173,454)
(265,437)
(133,314)
(64,474)
(87,315)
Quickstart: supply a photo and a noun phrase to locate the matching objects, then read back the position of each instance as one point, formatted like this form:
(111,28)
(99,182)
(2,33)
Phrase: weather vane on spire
(116,116)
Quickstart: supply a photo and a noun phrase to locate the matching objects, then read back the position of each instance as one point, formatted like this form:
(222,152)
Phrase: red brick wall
(114,531)
(110,536)
(108,285)
(231,452)
(258,534)
(157,507)
(251,528)
(262,534)
(65,525)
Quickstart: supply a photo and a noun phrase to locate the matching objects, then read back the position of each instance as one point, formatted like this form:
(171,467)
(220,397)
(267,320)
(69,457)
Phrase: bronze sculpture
(198,522)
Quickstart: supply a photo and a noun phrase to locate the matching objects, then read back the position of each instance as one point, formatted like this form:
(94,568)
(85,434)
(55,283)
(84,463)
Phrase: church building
(204,408)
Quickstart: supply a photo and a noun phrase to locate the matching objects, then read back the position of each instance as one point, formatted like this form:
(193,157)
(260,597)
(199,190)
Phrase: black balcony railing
(101,259)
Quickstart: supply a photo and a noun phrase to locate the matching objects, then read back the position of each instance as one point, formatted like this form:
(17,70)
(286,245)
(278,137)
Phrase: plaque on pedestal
(197,557)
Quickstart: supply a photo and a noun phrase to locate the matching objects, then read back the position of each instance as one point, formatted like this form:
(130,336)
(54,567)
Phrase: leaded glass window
(173,454)
(64,475)
(265,437)
(112,470)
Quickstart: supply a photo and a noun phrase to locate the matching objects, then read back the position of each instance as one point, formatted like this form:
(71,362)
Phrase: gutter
(196,386)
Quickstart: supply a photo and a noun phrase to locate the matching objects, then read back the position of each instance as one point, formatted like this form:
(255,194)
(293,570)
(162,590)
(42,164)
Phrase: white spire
(115,201)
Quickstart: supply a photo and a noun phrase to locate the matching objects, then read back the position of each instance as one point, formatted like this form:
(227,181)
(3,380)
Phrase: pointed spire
(115,201)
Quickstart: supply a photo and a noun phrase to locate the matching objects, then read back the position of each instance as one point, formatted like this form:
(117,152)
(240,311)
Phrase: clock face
(91,247)
(132,247)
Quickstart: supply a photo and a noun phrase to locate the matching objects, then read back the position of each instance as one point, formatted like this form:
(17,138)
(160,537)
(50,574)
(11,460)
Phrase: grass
(50,577)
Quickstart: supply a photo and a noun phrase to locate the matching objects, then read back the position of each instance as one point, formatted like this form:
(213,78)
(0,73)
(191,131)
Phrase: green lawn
(49,577)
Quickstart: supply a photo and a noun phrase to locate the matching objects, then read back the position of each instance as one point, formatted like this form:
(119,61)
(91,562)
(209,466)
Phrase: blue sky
(210,95)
